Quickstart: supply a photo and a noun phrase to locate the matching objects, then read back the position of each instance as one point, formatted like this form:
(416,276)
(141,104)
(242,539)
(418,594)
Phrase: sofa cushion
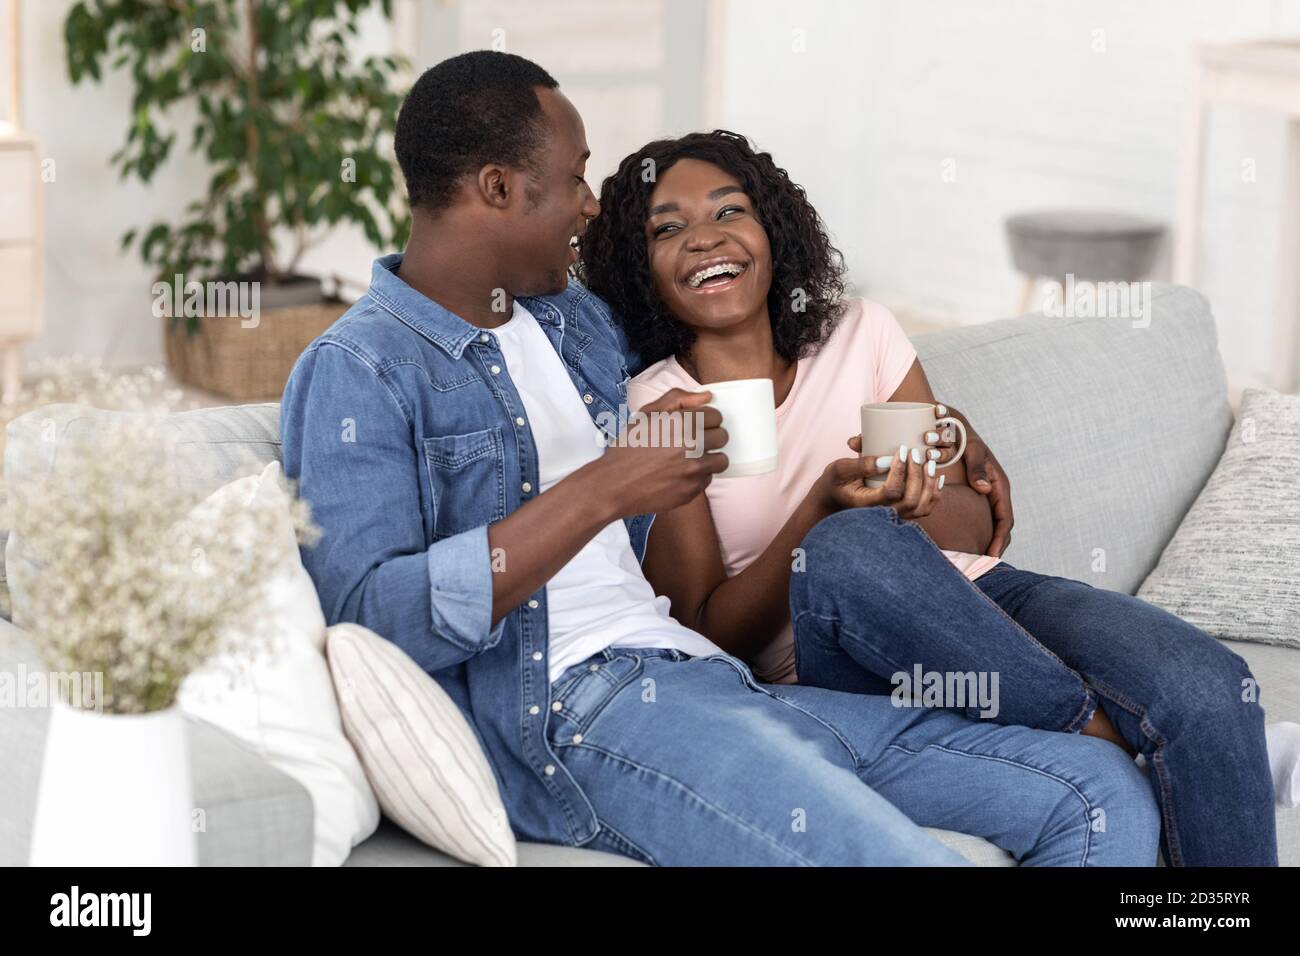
(252,814)
(1108,427)
(393,846)
(1232,567)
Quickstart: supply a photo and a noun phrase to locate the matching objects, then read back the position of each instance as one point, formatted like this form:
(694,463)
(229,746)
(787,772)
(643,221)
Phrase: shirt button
(587,398)
(527,486)
(577,738)
(534,710)
(482,336)
(496,369)
(519,422)
(557,706)
(537,655)
(533,603)
(550,770)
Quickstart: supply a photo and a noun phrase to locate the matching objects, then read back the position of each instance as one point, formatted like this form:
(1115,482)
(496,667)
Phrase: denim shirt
(408,438)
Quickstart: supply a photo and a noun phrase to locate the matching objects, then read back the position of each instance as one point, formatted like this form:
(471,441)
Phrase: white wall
(633,69)
(1013,93)
(886,91)
(97,298)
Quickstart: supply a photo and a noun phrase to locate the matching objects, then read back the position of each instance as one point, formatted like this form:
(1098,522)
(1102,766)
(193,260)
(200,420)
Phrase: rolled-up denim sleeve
(348,442)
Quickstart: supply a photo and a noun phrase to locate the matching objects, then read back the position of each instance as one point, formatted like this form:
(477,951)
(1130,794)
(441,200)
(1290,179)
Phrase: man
(447,432)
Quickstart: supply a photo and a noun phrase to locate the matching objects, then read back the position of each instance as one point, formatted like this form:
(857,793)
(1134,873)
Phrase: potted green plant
(297,131)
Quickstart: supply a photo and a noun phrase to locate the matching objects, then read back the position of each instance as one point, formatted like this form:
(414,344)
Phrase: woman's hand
(911,487)
(942,440)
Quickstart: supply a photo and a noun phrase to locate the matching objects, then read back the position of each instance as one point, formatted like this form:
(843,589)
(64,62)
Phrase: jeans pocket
(741,668)
(583,699)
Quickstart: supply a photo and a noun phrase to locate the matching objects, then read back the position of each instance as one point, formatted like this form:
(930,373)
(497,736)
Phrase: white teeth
(722,268)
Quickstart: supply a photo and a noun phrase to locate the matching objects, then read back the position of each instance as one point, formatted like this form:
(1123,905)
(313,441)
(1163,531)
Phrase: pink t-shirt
(813,425)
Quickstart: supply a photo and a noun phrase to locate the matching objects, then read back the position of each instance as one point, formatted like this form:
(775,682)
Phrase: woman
(721,269)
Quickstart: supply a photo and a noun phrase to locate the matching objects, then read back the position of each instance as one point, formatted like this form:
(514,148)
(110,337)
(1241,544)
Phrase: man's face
(556,204)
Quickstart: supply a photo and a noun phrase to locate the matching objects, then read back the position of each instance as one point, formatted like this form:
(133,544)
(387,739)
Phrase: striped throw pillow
(419,753)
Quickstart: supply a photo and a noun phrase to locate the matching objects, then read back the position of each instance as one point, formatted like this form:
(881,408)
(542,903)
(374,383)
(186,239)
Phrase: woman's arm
(961,519)
(745,613)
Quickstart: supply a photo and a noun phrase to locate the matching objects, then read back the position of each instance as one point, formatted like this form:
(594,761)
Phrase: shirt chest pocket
(466,480)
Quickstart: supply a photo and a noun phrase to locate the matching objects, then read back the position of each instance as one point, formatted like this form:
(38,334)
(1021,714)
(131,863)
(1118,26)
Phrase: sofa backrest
(1107,429)
(216,446)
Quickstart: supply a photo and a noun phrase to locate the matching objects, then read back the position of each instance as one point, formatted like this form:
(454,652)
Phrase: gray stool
(1091,245)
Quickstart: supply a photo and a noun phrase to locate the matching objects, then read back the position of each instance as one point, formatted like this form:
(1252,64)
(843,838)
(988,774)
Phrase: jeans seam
(617,837)
(673,781)
(1014,763)
(1077,722)
(1089,704)
(1011,620)
(1157,761)
(822,617)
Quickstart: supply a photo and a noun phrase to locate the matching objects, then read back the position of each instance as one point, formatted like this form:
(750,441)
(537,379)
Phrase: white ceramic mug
(748,407)
(886,425)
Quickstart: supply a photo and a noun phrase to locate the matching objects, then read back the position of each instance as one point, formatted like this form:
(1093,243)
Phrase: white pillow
(421,755)
(282,704)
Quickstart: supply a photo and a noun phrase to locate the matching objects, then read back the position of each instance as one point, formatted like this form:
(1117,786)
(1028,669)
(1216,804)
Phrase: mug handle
(961,447)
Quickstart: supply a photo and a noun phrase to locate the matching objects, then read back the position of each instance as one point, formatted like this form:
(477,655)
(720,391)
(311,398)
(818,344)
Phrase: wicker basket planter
(247,364)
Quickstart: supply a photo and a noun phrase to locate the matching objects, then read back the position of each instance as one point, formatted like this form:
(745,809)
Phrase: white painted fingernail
(902,451)
(929,469)
(941,409)
(916,455)
(931,437)
(884,461)
(934,454)
(941,478)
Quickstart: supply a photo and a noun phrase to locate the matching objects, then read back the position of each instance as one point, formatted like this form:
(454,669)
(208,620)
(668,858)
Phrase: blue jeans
(877,599)
(690,761)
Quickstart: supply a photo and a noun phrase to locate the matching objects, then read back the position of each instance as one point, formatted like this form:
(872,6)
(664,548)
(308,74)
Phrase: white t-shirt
(600,598)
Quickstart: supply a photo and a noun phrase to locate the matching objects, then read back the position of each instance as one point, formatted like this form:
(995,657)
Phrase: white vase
(114,791)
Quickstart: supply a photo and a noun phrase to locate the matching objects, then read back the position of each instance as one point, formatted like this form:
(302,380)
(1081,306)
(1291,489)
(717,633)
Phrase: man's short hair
(466,112)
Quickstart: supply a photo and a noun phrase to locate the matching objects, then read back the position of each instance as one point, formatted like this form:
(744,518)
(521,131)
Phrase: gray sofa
(1108,431)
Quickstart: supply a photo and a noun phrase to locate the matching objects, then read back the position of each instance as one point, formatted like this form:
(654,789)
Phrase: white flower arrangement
(139,578)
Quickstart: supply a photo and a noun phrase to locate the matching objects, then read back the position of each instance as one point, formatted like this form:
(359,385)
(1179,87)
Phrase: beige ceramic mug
(886,425)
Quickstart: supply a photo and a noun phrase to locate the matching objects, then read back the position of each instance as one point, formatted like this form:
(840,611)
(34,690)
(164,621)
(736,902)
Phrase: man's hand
(985,475)
(648,479)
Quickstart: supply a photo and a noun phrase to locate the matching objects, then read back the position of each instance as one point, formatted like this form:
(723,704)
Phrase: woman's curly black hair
(804,302)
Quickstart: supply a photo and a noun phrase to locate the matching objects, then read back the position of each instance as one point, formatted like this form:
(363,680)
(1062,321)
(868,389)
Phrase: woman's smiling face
(709,254)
